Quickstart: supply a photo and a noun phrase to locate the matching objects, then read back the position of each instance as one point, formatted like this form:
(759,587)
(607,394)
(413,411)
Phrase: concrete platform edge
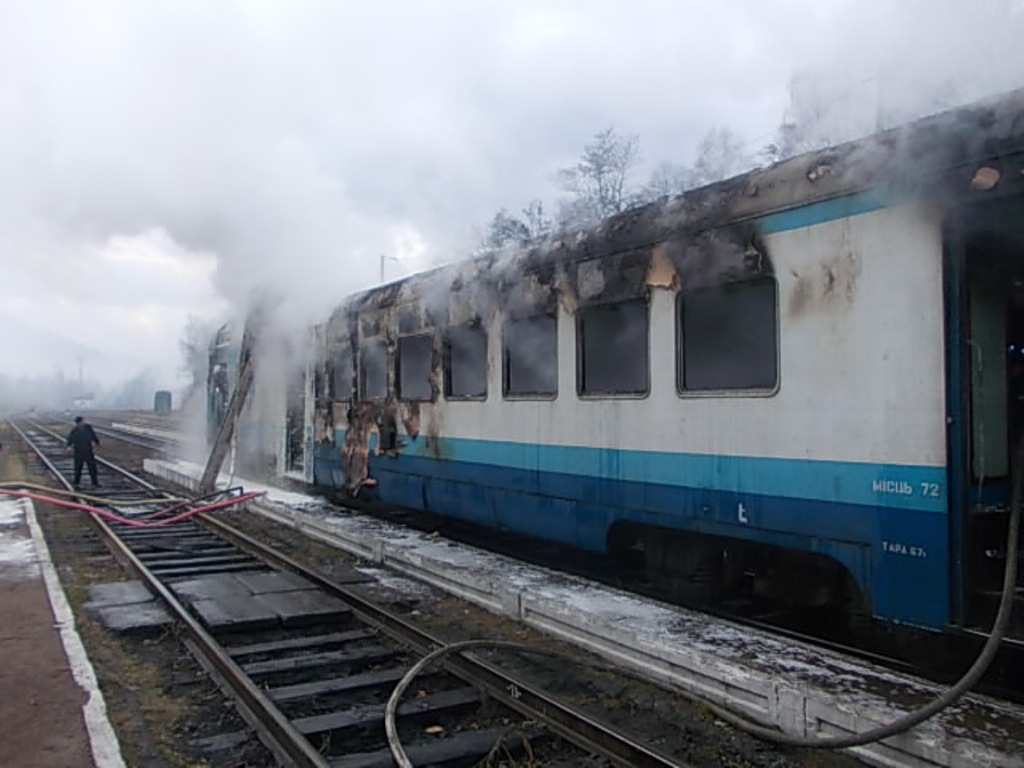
(106,750)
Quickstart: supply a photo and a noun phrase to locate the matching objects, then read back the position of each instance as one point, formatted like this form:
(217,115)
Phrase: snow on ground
(659,633)
(18,558)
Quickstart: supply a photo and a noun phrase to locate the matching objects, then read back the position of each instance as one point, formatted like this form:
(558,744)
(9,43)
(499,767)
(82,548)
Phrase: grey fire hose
(899,725)
(968,681)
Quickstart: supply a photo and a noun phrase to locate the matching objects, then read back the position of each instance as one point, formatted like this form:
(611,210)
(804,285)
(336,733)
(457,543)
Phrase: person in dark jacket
(81,439)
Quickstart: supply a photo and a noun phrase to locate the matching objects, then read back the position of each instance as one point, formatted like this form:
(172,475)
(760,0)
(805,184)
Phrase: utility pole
(384,258)
(226,430)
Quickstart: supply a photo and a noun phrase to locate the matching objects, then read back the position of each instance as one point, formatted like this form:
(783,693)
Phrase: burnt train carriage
(221,371)
(803,382)
(270,435)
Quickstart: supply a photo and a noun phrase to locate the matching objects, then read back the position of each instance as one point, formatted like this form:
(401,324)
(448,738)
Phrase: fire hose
(51,496)
(870,736)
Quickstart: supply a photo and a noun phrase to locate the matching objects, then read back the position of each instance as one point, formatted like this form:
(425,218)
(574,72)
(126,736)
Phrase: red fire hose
(141,522)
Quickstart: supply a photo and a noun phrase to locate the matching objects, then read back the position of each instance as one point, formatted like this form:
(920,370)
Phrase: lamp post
(384,258)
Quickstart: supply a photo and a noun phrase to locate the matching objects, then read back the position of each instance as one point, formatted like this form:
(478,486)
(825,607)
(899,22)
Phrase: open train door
(985,364)
(305,395)
(295,426)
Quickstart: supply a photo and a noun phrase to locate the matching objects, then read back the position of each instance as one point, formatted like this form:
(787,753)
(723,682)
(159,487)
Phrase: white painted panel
(861,362)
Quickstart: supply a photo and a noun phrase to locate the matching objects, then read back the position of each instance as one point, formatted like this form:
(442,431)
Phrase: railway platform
(798,688)
(52,710)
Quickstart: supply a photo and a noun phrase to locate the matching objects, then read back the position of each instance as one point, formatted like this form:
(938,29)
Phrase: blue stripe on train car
(886,524)
(888,485)
(825,210)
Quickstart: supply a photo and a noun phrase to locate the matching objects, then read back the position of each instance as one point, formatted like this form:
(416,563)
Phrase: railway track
(160,436)
(678,729)
(943,655)
(314,667)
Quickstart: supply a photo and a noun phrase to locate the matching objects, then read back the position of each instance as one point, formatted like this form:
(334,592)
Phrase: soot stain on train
(588,274)
(624,259)
(719,256)
(831,286)
(355,448)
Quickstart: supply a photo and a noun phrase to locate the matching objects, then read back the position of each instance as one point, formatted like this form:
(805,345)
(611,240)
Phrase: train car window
(465,362)
(409,319)
(415,366)
(373,370)
(727,337)
(341,374)
(612,349)
(530,354)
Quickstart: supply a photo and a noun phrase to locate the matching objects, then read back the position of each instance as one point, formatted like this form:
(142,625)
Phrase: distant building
(84,402)
(162,401)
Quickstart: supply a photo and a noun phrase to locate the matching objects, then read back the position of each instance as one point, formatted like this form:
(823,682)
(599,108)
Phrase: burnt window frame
(337,353)
(361,373)
(431,381)
(446,361)
(680,343)
(613,395)
(517,318)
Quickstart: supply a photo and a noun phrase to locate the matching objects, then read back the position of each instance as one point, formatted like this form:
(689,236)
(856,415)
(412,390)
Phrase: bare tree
(598,184)
(806,124)
(504,230)
(667,180)
(828,107)
(508,230)
(536,221)
(720,155)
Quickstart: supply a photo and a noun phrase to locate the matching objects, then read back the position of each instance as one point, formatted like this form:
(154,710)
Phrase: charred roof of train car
(936,156)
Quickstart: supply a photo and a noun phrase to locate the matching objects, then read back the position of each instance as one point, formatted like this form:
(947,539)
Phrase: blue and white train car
(803,382)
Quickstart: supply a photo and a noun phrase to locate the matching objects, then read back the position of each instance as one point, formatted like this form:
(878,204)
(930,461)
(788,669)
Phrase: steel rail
(142,441)
(586,732)
(130,477)
(575,726)
(275,731)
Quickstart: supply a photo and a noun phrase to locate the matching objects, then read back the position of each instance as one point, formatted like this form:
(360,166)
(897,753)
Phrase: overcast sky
(163,159)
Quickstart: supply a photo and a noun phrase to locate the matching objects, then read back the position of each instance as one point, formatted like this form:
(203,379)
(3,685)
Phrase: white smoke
(292,144)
